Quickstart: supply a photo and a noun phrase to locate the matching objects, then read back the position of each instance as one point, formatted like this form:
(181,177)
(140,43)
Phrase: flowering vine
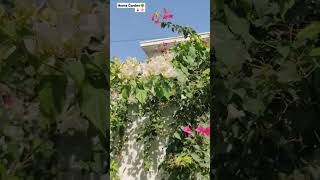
(157,17)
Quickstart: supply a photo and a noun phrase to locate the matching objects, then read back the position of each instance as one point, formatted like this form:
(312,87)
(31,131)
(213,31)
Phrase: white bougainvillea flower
(128,70)
(169,73)
(155,66)
(168,56)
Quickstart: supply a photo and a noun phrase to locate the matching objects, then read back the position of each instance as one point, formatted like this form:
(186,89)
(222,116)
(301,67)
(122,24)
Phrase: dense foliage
(53,89)
(266,90)
(176,81)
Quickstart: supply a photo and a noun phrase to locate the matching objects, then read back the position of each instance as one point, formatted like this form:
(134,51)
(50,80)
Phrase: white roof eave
(148,46)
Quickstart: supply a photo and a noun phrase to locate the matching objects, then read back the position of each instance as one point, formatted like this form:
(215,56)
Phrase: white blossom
(157,65)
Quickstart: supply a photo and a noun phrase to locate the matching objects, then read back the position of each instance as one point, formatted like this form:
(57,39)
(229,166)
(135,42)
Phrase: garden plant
(180,77)
(266,90)
(53,90)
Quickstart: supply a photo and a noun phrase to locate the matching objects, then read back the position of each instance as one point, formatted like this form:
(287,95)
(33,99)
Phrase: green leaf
(9,29)
(197,147)
(3,171)
(315,52)
(189,59)
(163,90)
(286,5)
(234,113)
(309,32)
(141,95)
(125,92)
(261,6)
(181,76)
(46,102)
(288,73)
(30,45)
(6,50)
(177,135)
(238,25)
(206,72)
(229,50)
(52,95)
(99,61)
(283,50)
(76,71)
(252,105)
(94,104)
(196,157)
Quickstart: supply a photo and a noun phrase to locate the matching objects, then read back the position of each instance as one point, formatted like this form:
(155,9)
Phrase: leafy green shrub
(266,90)
(180,78)
(53,90)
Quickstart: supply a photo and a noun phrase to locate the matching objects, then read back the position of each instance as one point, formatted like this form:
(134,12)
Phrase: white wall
(131,165)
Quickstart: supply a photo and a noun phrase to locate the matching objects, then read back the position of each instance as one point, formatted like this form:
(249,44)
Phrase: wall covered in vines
(179,77)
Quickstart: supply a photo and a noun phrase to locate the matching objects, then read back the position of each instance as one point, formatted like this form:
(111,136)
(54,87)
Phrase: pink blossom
(152,17)
(207,131)
(168,16)
(202,130)
(165,11)
(157,21)
(187,130)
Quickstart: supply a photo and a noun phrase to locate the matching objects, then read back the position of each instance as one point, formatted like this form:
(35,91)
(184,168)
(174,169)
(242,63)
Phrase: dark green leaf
(288,73)
(315,52)
(52,95)
(125,92)
(254,106)
(229,50)
(309,32)
(238,25)
(76,71)
(141,95)
(94,104)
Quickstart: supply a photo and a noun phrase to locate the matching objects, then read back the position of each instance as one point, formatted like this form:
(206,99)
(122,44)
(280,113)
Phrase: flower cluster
(157,65)
(128,70)
(156,17)
(114,95)
(200,129)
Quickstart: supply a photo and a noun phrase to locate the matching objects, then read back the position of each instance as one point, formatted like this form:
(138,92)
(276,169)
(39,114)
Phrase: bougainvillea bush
(53,90)
(266,90)
(178,76)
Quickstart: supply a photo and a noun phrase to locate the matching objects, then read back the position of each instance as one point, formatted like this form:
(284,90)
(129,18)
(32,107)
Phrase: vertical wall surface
(131,165)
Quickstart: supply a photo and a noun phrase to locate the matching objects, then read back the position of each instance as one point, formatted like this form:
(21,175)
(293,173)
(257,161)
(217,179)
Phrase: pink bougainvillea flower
(187,130)
(155,17)
(201,130)
(157,21)
(207,131)
(168,16)
(165,11)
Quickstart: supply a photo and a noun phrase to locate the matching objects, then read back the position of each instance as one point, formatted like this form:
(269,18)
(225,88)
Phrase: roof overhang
(149,47)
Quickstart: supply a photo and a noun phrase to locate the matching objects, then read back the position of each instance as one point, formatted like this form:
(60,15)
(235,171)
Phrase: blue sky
(127,28)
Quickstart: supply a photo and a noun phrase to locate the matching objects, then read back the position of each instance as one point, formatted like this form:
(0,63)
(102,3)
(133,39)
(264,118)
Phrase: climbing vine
(177,81)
